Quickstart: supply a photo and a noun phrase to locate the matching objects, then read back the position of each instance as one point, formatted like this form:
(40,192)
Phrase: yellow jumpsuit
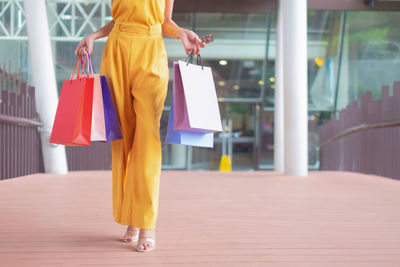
(136,66)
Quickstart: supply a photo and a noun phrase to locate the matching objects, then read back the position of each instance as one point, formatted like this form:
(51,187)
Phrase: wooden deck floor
(206,219)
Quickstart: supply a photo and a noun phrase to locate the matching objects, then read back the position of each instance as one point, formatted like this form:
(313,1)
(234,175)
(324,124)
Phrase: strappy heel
(148,240)
(131,238)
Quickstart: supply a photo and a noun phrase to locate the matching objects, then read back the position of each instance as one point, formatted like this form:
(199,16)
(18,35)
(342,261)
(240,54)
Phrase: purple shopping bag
(113,131)
(181,119)
(186,138)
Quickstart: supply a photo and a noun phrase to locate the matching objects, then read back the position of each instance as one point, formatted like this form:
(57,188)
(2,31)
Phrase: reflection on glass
(237,78)
(232,26)
(371,54)
(267,140)
(324,31)
(173,156)
(315,121)
(244,121)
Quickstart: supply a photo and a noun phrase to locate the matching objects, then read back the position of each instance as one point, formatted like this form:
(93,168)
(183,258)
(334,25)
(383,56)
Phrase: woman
(136,66)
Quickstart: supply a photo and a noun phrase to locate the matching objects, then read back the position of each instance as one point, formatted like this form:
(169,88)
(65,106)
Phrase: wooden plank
(247,218)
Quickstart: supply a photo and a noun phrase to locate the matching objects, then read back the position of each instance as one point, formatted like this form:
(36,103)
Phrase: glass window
(371,54)
(349,53)
(324,32)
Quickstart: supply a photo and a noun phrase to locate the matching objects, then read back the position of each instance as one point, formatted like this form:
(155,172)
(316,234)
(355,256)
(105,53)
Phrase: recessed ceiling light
(236,87)
(221,83)
(223,62)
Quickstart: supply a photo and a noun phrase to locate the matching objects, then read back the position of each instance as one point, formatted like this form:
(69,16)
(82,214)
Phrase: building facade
(350,52)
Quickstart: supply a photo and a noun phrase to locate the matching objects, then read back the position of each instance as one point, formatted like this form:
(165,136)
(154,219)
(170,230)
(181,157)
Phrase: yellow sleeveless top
(147,12)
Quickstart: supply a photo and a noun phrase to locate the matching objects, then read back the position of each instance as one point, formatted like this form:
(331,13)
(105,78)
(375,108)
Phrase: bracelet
(176,32)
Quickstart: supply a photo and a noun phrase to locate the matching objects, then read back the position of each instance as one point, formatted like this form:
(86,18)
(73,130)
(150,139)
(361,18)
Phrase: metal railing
(20,143)
(365,137)
(20,151)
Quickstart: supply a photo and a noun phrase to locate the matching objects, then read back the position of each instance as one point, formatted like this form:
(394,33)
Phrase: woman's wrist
(179,32)
(95,35)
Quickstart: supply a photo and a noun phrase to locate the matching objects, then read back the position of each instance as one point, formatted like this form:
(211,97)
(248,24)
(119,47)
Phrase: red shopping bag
(73,120)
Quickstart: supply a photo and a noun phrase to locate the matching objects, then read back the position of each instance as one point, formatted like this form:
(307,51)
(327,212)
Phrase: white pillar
(178,156)
(295,92)
(46,96)
(278,113)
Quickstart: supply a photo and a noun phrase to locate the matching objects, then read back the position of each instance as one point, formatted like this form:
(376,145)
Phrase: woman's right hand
(190,41)
(85,44)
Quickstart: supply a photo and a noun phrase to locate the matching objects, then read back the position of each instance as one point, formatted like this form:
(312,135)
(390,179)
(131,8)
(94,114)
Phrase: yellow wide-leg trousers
(136,66)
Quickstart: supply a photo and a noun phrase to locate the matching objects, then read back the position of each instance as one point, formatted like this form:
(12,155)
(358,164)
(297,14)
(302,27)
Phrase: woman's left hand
(190,41)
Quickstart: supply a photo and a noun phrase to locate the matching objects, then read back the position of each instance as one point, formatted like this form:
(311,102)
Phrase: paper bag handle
(189,59)
(89,61)
(79,63)
(90,66)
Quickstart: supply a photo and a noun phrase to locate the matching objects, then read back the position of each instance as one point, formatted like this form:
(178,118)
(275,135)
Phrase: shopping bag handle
(90,63)
(189,59)
(79,63)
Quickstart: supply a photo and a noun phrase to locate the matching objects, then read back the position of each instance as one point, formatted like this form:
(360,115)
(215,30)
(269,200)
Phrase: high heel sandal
(131,238)
(149,240)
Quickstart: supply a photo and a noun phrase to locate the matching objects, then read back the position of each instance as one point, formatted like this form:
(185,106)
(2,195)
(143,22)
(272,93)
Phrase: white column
(278,113)
(46,96)
(295,92)
(178,156)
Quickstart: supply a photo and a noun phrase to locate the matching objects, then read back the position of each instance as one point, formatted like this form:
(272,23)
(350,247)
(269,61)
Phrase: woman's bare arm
(190,41)
(104,31)
(169,26)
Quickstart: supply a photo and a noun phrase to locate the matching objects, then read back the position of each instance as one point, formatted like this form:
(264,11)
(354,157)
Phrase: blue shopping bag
(187,138)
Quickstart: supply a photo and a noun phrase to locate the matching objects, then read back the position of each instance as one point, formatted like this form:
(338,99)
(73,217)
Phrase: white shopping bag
(98,129)
(201,98)
(98,122)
